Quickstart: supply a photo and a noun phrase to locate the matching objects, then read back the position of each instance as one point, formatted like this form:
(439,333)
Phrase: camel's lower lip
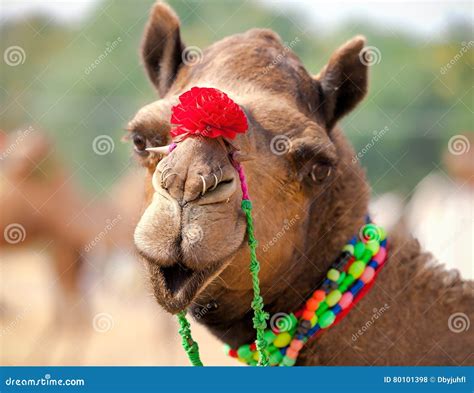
(176,286)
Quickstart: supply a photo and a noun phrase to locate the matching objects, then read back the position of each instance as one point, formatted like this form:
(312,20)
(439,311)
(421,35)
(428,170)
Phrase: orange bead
(319,295)
(296,345)
(307,314)
(291,353)
(312,304)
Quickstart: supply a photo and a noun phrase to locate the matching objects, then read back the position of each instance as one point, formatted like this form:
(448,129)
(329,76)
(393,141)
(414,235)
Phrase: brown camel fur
(315,191)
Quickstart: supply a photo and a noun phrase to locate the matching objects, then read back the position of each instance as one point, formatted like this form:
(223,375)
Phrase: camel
(43,205)
(313,183)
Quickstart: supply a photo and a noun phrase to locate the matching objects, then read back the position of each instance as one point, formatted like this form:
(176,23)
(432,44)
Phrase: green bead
(359,249)
(349,248)
(333,275)
(252,362)
(342,276)
(348,280)
(289,322)
(366,256)
(288,361)
(275,357)
(382,233)
(271,348)
(327,319)
(356,269)
(373,246)
(269,336)
(333,297)
(323,306)
(226,348)
(245,352)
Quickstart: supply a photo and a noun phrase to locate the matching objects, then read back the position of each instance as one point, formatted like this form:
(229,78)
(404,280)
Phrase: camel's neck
(228,314)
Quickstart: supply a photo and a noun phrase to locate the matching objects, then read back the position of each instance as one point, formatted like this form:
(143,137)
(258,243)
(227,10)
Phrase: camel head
(192,234)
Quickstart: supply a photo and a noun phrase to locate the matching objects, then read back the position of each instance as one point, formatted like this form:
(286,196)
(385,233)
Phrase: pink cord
(172,146)
(243,181)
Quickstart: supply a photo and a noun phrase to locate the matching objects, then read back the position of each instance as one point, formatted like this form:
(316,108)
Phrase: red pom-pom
(208,112)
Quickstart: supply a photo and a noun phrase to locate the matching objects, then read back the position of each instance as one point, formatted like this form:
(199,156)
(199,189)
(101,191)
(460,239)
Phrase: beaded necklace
(349,278)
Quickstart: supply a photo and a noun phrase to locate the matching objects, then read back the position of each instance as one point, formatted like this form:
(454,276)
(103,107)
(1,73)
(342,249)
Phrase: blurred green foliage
(54,88)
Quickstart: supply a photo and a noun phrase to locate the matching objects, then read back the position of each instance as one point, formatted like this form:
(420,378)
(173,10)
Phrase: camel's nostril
(221,192)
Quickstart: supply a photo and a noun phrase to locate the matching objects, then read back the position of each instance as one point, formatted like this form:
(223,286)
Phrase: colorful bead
(314,320)
(381,256)
(382,233)
(373,246)
(366,255)
(286,361)
(256,356)
(368,275)
(322,308)
(341,277)
(319,295)
(327,319)
(359,249)
(356,269)
(333,297)
(308,315)
(269,336)
(271,348)
(356,287)
(312,304)
(333,274)
(348,248)
(336,309)
(275,357)
(291,353)
(233,353)
(346,300)
(244,352)
(282,340)
(296,345)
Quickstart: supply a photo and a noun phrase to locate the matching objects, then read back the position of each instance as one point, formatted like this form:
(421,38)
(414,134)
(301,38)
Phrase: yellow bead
(333,275)
(333,297)
(314,320)
(357,268)
(256,356)
(282,340)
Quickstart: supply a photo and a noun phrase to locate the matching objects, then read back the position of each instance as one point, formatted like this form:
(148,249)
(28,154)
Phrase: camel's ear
(162,47)
(343,81)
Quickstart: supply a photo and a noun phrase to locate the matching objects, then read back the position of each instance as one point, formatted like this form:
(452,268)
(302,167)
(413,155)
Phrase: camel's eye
(320,172)
(139,143)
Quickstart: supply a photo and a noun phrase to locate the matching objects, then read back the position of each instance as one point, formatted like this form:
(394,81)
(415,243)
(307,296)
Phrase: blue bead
(299,336)
(353,241)
(313,330)
(383,243)
(373,264)
(357,287)
(336,309)
(367,219)
(283,351)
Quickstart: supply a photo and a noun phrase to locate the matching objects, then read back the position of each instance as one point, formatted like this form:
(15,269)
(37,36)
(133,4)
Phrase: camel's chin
(176,286)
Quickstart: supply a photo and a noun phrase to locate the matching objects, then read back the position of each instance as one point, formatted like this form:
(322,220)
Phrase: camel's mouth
(176,286)
(176,277)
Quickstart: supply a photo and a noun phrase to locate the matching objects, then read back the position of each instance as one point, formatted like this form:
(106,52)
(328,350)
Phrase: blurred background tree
(57,88)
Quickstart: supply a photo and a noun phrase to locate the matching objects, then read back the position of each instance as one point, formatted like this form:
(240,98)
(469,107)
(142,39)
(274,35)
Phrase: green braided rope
(190,346)
(260,316)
